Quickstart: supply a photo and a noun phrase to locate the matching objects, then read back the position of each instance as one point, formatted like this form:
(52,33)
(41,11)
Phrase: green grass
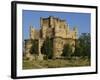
(57,63)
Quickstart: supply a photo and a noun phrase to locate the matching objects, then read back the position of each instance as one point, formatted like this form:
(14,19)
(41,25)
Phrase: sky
(32,18)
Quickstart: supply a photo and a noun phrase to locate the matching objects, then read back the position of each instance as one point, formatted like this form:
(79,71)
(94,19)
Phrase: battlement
(55,27)
(52,22)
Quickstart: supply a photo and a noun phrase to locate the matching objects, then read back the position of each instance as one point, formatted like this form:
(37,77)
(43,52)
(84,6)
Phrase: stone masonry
(55,28)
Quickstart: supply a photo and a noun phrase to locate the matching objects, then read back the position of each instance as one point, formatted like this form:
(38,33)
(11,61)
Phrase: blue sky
(79,20)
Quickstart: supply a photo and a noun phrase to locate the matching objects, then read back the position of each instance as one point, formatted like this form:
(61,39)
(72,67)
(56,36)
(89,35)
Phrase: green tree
(34,47)
(67,51)
(47,48)
(78,49)
(83,45)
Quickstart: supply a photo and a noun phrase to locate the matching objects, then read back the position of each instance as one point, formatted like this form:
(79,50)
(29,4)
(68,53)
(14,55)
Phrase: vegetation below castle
(57,63)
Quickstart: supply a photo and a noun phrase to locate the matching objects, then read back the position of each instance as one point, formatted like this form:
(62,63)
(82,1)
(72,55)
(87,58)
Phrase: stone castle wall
(56,29)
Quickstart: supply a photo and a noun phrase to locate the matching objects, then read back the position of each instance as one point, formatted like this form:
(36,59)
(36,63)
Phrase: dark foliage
(83,45)
(67,50)
(47,48)
(34,47)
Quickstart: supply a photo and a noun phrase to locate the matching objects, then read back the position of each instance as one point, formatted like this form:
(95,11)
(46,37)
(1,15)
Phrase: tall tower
(43,24)
(32,33)
(51,22)
(75,32)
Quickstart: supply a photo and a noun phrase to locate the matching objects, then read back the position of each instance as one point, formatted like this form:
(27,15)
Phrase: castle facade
(57,30)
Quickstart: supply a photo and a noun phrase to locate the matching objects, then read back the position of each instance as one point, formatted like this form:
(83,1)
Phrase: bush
(67,51)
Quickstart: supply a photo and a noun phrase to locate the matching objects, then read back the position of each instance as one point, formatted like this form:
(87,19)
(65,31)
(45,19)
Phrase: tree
(78,49)
(34,47)
(67,50)
(83,45)
(47,48)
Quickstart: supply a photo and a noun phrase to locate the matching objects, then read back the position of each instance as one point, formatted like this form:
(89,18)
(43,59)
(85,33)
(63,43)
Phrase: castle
(57,30)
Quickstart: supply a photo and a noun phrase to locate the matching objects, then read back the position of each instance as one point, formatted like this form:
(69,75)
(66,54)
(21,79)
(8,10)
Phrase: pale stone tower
(32,32)
(75,32)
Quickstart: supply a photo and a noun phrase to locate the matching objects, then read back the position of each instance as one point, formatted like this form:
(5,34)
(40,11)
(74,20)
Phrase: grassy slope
(55,63)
